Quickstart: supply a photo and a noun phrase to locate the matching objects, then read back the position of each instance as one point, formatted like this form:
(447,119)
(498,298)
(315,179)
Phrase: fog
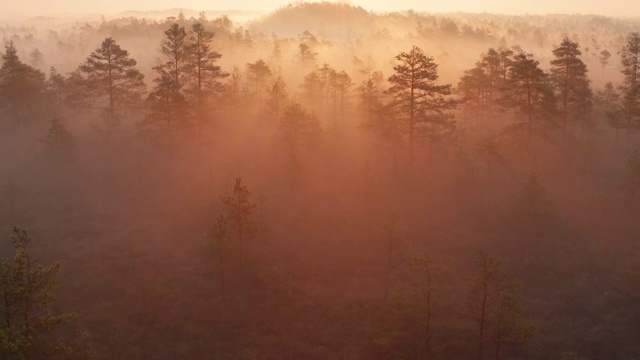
(319,181)
(622,8)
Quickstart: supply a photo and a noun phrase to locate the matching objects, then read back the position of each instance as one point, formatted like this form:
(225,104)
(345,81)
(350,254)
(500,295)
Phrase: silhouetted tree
(603,58)
(370,94)
(169,111)
(481,86)
(422,104)
(314,92)
(630,104)
(570,81)
(258,74)
(277,97)
(112,79)
(57,88)
(300,132)
(59,144)
(239,210)
(307,56)
(474,89)
(205,74)
(608,96)
(533,197)
(27,293)
(21,87)
(342,83)
(36,59)
(530,94)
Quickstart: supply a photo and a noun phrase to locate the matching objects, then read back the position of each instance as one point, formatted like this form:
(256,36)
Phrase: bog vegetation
(320,183)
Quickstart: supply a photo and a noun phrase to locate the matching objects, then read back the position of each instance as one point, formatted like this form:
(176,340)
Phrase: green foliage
(27,293)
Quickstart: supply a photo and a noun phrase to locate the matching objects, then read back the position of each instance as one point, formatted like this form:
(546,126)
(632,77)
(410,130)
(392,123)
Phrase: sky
(625,8)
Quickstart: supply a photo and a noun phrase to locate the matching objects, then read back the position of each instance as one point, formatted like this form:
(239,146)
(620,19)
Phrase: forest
(320,182)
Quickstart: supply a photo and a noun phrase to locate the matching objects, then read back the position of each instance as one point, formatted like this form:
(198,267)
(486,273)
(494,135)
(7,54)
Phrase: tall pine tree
(168,102)
(630,57)
(570,82)
(205,74)
(110,77)
(419,101)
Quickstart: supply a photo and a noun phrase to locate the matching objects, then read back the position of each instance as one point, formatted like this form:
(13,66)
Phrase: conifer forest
(319,181)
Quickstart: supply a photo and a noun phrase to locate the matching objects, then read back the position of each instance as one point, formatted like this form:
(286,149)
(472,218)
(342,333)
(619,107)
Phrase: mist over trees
(321,182)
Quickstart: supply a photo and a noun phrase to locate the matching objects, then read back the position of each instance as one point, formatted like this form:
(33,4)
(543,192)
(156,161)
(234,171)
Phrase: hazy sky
(628,8)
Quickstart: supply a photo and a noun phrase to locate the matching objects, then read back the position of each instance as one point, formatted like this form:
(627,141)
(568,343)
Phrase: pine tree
(168,102)
(277,97)
(239,210)
(608,96)
(483,85)
(370,94)
(57,89)
(533,196)
(342,83)
(300,133)
(570,82)
(474,89)
(258,73)
(603,57)
(314,92)
(307,56)
(421,103)
(630,104)
(529,93)
(59,144)
(36,59)
(205,74)
(27,293)
(21,87)
(111,79)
